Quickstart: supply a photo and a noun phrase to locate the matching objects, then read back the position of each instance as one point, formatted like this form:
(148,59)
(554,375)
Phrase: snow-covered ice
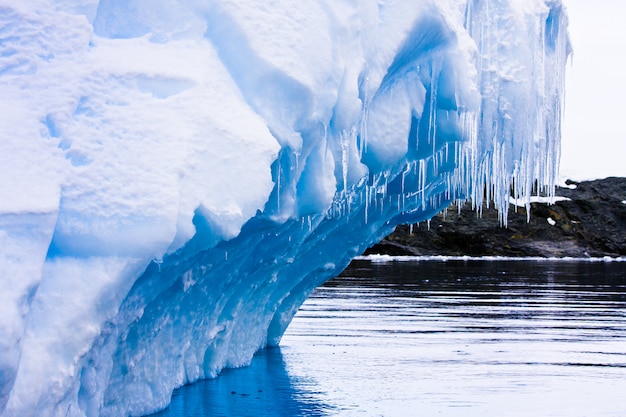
(176,178)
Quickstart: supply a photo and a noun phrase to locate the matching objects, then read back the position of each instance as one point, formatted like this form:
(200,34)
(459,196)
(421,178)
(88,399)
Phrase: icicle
(158,262)
(432,120)
(278,185)
(367,202)
(344,138)
(422,177)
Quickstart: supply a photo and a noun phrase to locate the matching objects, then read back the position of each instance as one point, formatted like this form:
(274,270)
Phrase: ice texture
(178,176)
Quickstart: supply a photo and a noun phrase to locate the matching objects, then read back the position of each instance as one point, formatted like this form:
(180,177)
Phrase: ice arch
(178,177)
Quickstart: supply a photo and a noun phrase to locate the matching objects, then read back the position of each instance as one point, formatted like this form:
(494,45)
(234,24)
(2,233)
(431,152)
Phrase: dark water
(455,338)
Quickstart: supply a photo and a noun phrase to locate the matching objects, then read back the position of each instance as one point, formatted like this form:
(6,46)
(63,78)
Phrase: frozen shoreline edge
(442,258)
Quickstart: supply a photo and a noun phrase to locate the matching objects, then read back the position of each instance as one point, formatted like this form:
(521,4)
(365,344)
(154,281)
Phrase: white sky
(594,130)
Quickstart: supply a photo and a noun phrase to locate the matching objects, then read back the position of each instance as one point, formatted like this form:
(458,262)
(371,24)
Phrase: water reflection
(468,338)
(263,389)
(456,338)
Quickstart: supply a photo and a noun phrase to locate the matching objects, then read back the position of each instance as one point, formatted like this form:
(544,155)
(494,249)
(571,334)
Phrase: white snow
(438,258)
(537,199)
(177,177)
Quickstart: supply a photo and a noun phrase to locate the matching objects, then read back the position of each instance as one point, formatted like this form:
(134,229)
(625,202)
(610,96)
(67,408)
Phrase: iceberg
(178,176)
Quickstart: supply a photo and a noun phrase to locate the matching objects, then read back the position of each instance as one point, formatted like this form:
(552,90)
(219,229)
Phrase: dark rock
(591,224)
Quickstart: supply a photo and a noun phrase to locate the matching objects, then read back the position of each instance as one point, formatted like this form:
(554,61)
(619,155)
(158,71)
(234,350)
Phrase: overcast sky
(594,137)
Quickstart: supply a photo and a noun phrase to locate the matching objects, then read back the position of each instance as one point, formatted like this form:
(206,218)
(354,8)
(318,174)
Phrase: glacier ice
(178,177)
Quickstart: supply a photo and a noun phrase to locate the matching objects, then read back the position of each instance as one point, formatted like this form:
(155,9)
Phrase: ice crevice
(177,178)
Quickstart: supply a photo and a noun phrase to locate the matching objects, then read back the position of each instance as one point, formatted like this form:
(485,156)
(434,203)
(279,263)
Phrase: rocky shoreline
(589,222)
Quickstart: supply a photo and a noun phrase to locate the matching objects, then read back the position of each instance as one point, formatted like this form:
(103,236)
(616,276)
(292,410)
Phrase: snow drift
(178,176)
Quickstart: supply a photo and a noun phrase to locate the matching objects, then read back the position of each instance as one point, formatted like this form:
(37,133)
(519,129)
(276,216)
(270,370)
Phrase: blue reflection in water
(262,389)
(455,338)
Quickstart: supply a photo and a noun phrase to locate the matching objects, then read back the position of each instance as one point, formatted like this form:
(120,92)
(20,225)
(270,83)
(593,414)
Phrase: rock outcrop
(590,223)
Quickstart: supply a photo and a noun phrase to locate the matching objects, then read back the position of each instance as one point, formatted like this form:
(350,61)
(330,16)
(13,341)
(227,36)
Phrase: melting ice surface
(178,177)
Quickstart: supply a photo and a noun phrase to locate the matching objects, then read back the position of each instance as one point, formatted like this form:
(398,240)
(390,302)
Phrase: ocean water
(440,338)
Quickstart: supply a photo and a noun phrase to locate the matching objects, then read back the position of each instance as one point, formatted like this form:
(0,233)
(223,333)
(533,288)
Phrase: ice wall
(178,176)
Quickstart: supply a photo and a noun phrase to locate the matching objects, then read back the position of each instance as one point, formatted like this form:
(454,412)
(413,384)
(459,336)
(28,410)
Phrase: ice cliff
(177,176)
